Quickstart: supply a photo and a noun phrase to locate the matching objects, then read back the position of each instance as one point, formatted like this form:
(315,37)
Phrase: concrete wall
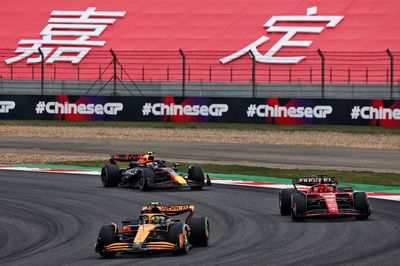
(209,89)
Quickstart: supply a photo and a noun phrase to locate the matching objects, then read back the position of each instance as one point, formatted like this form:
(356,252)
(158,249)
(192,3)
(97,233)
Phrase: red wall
(225,26)
(211,25)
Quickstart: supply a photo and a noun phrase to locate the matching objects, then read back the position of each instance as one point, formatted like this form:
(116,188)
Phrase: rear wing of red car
(311,181)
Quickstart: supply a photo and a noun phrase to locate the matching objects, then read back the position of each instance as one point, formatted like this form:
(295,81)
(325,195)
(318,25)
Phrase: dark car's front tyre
(196,174)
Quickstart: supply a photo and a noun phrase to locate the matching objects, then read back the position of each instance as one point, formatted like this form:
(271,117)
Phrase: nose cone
(180,180)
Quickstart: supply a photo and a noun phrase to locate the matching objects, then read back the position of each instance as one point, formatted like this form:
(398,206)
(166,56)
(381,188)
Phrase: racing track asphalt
(277,156)
(54,219)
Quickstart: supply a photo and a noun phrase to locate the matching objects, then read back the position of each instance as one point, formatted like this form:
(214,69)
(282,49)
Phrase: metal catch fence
(321,74)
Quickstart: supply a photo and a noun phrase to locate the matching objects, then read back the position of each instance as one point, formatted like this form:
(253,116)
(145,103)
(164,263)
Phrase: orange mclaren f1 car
(146,173)
(155,231)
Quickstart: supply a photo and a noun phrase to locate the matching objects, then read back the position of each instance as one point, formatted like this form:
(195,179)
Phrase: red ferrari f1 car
(146,173)
(323,198)
(155,231)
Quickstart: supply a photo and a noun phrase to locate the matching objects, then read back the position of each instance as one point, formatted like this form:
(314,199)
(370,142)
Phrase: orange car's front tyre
(107,236)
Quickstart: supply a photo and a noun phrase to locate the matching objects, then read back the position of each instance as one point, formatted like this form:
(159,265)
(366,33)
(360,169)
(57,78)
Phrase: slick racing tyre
(299,206)
(110,175)
(361,204)
(196,174)
(146,180)
(285,196)
(199,231)
(107,236)
(175,230)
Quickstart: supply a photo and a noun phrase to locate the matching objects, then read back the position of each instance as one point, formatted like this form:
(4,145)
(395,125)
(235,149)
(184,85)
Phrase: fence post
(253,73)
(391,72)
(121,75)
(269,75)
(183,72)
(168,73)
(348,75)
(115,72)
(42,65)
(322,73)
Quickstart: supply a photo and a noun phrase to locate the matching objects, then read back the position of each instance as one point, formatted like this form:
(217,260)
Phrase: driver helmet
(155,219)
(321,189)
(152,164)
(331,189)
